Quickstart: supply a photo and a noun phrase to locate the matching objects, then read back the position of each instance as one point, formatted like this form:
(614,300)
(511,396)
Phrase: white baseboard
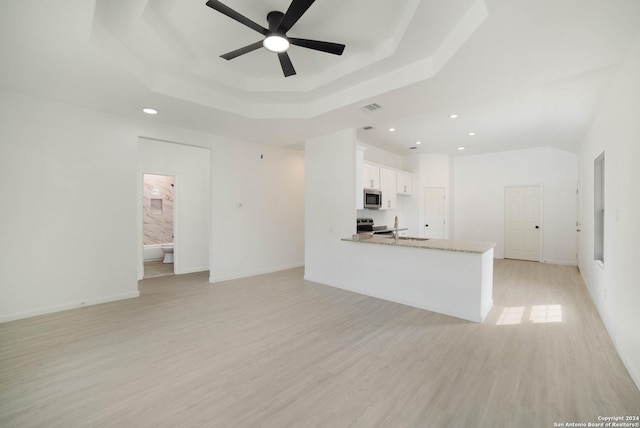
(67,306)
(219,278)
(558,262)
(635,376)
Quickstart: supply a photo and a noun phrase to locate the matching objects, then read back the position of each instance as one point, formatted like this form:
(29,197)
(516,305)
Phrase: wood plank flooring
(156,268)
(277,351)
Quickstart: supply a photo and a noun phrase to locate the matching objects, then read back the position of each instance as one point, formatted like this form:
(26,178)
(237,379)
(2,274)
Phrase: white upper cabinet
(404,184)
(371,177)
(390,181)
(388,185)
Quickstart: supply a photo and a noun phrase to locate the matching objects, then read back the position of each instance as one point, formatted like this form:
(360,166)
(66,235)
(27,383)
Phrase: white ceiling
(519,73)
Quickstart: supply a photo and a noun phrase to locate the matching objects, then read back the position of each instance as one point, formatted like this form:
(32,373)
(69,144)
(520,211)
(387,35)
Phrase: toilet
(168,252)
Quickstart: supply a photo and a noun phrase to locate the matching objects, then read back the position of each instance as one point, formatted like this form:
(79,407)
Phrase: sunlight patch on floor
(546,313)
(511,315)
(538,314)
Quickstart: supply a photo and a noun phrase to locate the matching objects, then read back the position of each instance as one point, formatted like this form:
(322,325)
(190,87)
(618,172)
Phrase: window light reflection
(546,313)
(511,315)
(538,314)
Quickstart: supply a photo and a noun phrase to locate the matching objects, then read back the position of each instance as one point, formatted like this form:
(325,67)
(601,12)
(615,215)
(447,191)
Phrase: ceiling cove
(173,48)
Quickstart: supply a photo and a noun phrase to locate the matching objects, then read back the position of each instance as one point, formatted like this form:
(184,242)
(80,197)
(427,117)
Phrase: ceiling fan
(275,38)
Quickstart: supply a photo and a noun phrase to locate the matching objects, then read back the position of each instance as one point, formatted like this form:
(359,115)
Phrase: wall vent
(412,148)
(367,128)
(371,107)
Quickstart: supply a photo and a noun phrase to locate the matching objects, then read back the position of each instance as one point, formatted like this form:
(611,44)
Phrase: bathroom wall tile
(158,223)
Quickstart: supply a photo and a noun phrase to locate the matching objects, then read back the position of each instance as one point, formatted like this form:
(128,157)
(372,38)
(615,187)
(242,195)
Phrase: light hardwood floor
(157,268)
(277,351)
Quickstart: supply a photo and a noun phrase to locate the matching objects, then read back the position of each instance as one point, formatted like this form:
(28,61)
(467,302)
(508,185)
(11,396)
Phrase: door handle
(537,227)
(426,225)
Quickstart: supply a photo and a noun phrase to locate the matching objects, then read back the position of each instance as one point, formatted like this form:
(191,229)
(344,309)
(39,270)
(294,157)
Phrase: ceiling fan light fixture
(276,43)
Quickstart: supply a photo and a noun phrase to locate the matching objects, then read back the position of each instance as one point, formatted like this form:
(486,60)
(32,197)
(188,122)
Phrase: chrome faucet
(395,229)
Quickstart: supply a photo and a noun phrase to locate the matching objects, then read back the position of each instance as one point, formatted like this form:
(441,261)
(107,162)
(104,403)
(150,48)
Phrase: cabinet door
(388,187)
(371,177)
(404,184)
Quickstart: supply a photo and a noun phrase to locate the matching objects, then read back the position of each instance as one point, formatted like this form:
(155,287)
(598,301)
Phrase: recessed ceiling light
(150,110)
(453,116)
(392,129)
(418,142)
(461,148)
(472,134)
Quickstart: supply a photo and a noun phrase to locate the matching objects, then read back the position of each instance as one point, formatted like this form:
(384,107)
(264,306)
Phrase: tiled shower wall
(158,209)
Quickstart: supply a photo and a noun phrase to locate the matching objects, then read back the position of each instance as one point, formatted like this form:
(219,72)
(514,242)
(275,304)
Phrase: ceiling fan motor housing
(274,19)
(275,39)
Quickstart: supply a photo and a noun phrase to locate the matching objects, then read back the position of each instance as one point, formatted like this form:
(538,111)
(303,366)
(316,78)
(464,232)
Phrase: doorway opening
(158,219)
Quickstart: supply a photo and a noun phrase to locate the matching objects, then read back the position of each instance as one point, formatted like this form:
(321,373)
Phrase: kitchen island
(450,277)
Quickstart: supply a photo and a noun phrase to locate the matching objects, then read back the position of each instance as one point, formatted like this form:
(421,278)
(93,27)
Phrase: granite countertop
(430,244)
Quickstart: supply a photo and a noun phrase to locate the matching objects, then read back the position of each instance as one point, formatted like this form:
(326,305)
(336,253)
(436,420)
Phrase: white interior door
(522,223)
(578,220)
(433,212)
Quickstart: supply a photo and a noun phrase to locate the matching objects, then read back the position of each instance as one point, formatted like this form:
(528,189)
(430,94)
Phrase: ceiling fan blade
(215,4)
(297,8)
(249,48)
(328,47)
(285,62)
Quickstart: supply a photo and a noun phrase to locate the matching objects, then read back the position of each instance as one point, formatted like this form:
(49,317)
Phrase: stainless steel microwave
(372,199)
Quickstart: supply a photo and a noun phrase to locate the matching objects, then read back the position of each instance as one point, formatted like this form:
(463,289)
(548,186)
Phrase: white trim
(213,278)
(635,376)
(67,306)
(559,262)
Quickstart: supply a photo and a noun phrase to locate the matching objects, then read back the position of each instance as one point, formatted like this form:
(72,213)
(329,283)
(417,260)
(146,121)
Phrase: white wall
(479,183)
(615,289)
(258,209)
(267,233)
(330,199)
(70,215)
(68,229)
(378,155)
(190,167)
